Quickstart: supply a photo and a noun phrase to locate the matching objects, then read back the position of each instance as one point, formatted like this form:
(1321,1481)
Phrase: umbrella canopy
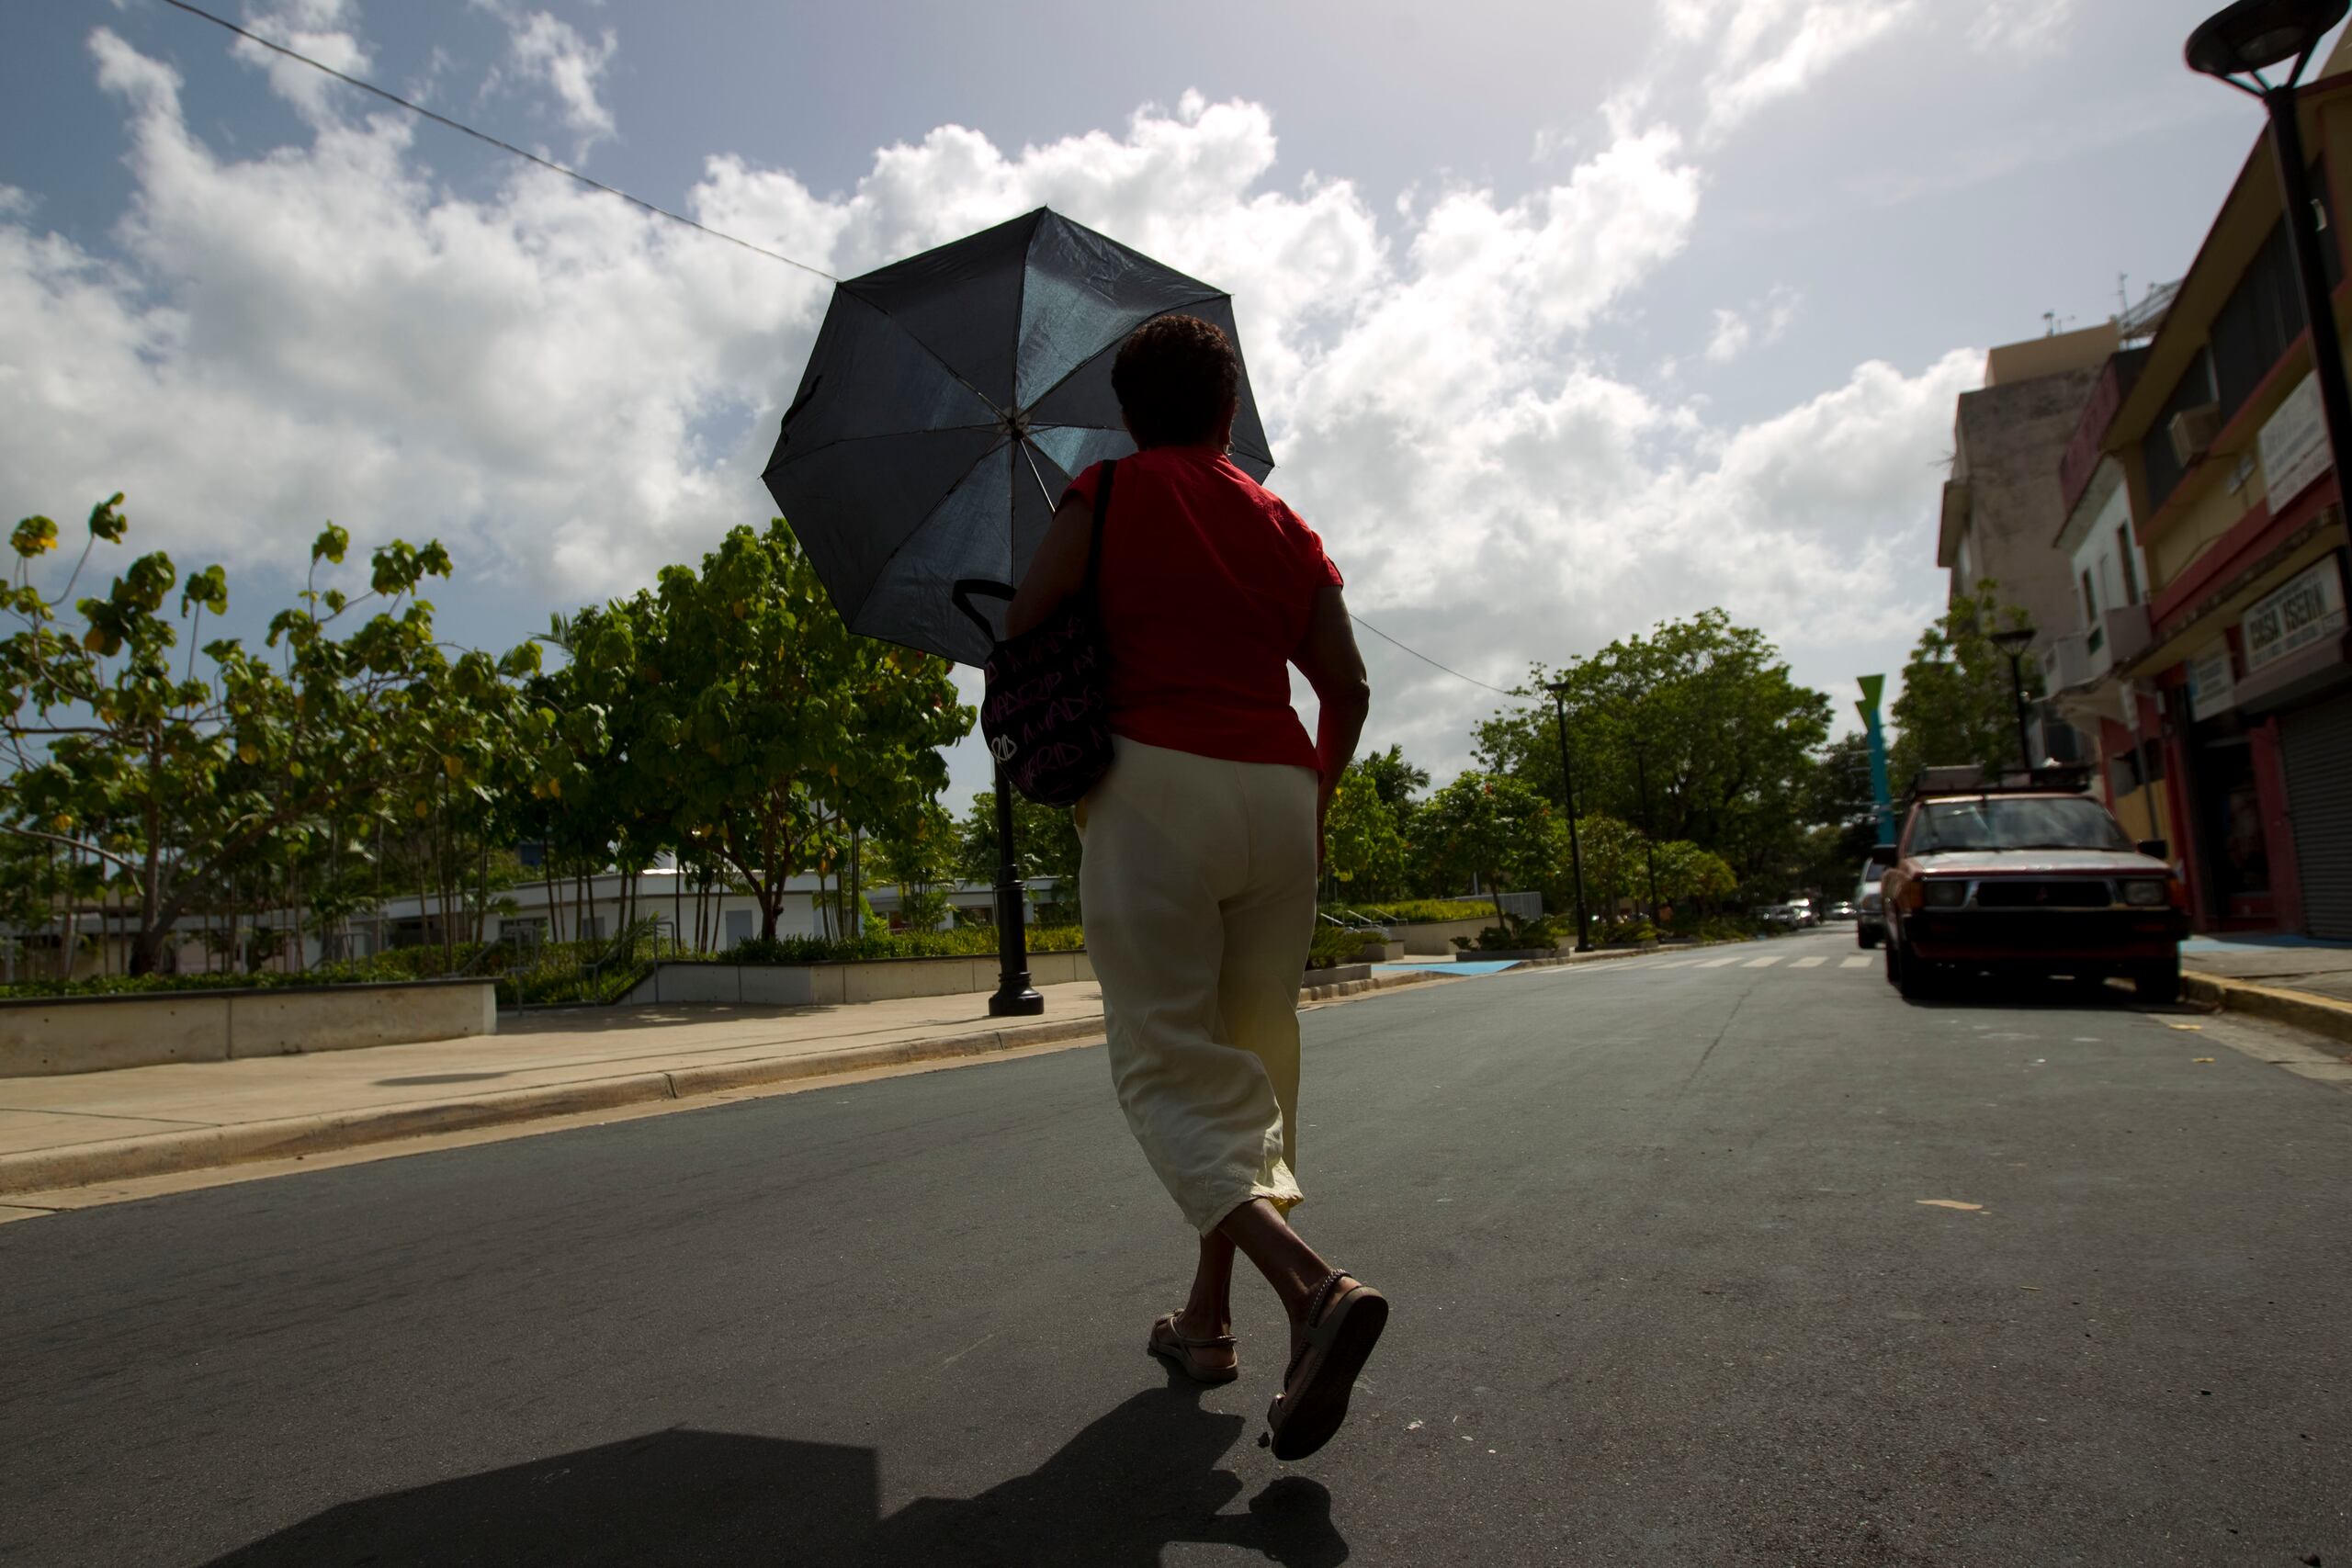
(949,399)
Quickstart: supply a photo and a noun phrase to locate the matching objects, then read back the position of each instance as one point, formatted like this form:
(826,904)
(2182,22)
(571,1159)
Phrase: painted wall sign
(2210,688)
(2294,445)
(2307,608)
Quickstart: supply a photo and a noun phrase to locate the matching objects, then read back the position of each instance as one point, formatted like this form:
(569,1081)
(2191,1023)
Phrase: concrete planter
(1435,938)
(838,985)
(1339,973)
(44,1035)
(1512,955)
(1380,952)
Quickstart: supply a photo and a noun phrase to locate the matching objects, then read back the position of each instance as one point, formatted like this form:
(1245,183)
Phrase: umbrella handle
(962,594)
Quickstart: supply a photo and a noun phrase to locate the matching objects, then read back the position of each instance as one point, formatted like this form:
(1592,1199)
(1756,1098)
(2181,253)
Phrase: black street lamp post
(2237,42)
(1559,690)
(1015,996)
(2014,642)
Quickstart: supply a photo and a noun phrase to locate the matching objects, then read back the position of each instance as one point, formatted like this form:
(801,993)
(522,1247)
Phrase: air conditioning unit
(2193,430)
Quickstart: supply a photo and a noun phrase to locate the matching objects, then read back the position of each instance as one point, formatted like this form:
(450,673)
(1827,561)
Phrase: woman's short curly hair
(1175,378)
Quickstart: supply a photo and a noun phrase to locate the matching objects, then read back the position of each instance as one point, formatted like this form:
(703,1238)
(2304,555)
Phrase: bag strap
(965,588)
(1094,544)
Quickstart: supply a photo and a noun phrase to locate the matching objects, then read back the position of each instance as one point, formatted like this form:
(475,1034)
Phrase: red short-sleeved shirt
(1206,582)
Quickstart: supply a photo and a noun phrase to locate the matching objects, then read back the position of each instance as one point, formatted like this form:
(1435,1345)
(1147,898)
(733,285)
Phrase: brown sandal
(1336,1342)
(1169,1345)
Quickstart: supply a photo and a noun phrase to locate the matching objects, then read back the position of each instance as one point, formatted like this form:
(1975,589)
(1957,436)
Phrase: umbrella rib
(1029,456)
(883,570)
(1097,354)
(882,435)
(953,374)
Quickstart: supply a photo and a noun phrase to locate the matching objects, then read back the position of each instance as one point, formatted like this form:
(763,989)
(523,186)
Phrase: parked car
(1802,908)
(2030,881)
(1840,911)
(1870,922)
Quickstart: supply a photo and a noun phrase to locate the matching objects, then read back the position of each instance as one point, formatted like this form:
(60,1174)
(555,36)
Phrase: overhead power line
(462,129)
(1431,662)
(571,174)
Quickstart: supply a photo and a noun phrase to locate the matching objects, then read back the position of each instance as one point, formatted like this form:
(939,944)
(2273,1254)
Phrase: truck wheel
(1863,939)
(1893,962)
(2159,981)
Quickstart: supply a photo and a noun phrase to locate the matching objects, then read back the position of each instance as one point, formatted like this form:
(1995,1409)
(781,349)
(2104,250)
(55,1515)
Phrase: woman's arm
(1333,665)
(1058,571)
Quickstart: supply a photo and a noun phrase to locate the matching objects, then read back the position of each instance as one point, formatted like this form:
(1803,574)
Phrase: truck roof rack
(1968,778)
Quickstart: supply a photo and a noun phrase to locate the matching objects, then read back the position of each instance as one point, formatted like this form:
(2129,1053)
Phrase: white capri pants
(1199,887)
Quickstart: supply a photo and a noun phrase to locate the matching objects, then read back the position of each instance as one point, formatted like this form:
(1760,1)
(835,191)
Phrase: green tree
(1044,839)
(1705,710)
(922,862)
(1364,847)
(1958,705)
(1394,780)
(191,786)
(757,726)
(1493,828)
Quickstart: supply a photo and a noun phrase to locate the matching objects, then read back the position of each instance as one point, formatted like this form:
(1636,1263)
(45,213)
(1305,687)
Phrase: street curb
(166,1153)
(2300,1009)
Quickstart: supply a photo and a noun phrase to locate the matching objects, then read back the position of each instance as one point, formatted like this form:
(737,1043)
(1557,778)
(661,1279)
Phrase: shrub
(1334,945)
(963,941)
(1416,911)
(1517,936)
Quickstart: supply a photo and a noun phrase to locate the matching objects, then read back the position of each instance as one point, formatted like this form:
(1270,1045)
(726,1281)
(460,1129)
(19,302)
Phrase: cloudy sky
(1563,319)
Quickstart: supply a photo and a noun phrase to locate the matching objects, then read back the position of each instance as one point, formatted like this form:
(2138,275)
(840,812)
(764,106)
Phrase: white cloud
(320,29)
(571,393)
(1756,52)
(2020,27)
(1763,324)
(544,48)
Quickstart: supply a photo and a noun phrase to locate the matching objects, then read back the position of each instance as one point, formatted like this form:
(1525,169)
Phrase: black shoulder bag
(1046,714)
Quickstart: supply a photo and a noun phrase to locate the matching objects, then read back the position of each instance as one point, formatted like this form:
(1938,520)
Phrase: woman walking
(1201,844)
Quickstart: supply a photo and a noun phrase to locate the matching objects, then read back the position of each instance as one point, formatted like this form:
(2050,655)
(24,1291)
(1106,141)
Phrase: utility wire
(464,130)
(1431,662)
(417,108)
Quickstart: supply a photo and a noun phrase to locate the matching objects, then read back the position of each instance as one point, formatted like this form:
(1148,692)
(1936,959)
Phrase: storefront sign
(2211,690)
(2293,444)
(2306,609)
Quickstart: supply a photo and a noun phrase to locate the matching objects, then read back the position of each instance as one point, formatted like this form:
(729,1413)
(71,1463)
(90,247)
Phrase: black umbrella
(950,399)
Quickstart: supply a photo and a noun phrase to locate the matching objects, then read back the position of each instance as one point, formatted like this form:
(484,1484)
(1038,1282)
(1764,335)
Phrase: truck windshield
(2015,822)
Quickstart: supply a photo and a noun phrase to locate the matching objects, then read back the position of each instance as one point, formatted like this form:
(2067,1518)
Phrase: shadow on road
(1992,989)
(1141,1478)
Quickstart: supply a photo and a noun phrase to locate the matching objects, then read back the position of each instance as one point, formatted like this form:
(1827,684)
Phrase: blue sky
(1565,318)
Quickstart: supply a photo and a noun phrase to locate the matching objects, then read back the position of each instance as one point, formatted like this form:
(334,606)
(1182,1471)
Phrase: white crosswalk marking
(1764,963)
(1718,962)
(1853,964)
(1813,962)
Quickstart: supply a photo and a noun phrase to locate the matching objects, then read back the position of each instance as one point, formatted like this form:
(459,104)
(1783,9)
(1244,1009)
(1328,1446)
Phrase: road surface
(1726,1258)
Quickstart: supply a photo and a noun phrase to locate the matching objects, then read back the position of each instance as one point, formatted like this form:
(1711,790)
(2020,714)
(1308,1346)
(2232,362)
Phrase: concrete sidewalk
(82,1127)
(2289,980)
(76,1129)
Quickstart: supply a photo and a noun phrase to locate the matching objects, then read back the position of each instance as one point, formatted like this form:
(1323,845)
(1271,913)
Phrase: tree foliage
(726,717)
(174,787)
(1705,711)
(1959,703)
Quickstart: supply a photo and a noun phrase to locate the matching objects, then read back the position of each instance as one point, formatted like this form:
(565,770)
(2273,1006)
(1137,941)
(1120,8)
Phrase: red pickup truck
(2029,881)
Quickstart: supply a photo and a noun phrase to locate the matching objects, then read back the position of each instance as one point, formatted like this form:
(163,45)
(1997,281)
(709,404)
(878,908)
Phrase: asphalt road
(1668,1289)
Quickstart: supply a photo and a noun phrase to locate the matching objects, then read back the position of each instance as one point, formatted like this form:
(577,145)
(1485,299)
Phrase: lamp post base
(1016,998)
